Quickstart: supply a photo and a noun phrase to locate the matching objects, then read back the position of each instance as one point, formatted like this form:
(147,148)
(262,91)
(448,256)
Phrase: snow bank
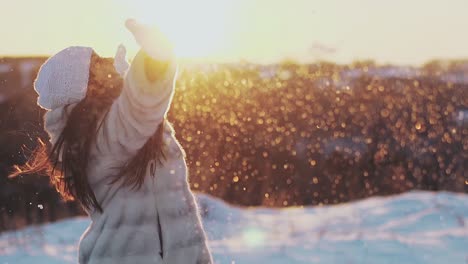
(417,227)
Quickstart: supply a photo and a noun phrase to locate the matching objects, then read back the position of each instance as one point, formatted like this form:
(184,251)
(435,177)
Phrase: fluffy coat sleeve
(136,114)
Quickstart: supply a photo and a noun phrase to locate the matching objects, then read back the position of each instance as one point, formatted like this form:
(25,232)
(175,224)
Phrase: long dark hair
(66,161)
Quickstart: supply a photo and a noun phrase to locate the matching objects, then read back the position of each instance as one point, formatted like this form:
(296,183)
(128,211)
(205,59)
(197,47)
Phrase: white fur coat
(158,223)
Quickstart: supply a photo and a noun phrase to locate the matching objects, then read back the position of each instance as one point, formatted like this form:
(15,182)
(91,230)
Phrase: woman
(114,151)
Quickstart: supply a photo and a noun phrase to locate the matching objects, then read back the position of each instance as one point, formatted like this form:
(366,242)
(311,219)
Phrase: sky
(409,32)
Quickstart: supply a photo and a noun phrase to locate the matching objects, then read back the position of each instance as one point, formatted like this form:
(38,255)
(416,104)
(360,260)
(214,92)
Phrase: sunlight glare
(196,28)
(254,237)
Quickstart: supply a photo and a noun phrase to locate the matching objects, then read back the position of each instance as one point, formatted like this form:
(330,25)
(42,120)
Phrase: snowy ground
(417,227)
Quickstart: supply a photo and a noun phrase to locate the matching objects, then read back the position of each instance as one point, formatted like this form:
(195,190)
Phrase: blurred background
(278,103)
(276,135)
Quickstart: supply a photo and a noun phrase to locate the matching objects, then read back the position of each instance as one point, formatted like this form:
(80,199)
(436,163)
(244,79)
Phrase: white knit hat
(63,78)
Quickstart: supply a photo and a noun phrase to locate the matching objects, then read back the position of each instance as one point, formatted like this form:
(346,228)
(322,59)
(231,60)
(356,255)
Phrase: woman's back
(158,220)
(116,153)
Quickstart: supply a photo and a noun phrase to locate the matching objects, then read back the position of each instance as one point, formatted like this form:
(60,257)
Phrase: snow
(416,227)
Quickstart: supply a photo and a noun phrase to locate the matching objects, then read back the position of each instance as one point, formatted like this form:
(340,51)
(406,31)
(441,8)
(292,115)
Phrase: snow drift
(416,227)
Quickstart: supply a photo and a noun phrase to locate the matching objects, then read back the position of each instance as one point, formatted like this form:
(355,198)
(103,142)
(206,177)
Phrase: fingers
(140,32)
(138,28)
(150,39)
(131,24)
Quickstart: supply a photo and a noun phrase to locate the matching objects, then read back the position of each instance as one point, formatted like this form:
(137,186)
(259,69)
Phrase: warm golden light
(196,28)
(261,31)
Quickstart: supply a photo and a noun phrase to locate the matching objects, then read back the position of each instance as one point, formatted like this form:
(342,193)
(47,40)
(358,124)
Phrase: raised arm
(148,89)
(135,115)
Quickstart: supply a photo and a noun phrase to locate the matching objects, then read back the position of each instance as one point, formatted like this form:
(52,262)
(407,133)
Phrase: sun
(197,29)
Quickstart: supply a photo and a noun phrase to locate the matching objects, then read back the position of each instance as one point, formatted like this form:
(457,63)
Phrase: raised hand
(151,40)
